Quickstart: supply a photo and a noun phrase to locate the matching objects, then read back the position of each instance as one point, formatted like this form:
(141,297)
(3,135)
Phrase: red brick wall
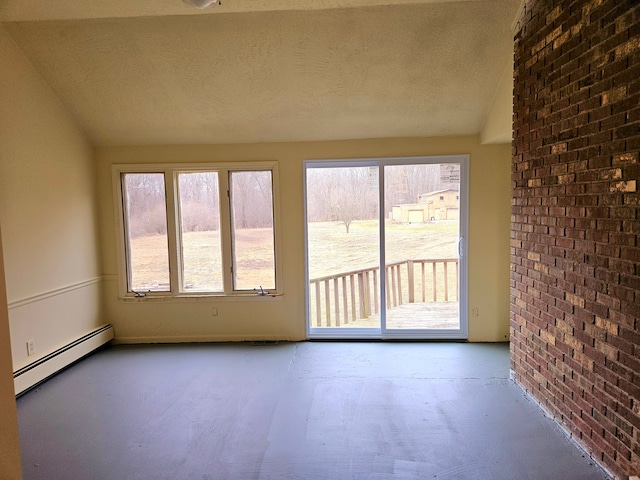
(575,246)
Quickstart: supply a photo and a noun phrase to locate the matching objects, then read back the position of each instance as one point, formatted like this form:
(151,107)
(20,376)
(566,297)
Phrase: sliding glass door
(385,240)
(343,246)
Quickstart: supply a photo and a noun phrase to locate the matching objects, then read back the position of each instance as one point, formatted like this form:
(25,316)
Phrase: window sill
(159,297)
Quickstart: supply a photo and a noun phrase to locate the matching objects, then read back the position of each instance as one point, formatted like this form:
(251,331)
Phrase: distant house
(432,206)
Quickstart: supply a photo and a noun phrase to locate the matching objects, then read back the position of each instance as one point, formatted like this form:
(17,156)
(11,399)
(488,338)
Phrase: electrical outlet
(31,348)
(214,311)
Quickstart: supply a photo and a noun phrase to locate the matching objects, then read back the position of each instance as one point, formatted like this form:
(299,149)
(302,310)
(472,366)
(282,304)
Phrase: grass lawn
(331,251)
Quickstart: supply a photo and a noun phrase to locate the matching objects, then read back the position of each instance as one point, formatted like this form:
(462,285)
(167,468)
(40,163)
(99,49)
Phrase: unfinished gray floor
(292,411)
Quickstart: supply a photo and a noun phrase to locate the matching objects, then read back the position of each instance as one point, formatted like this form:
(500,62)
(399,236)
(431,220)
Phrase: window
(146,227)
(197,230)
(441,198)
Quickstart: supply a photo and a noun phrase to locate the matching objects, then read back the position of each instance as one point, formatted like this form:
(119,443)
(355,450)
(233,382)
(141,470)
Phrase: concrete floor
(309,410)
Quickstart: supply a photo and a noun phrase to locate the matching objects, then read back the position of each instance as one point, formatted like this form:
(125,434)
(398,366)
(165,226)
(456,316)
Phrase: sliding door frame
(383,333)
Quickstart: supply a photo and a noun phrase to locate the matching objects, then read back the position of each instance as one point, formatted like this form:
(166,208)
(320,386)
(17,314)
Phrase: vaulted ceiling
(160,72)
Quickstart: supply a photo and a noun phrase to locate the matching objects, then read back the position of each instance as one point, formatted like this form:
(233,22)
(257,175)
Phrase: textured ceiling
(274,72)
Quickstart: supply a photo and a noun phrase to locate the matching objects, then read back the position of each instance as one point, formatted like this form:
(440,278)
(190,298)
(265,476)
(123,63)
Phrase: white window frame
(382,332)
(171,172)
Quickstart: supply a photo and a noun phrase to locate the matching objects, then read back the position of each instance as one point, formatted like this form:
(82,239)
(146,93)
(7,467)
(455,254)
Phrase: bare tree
(251,197)
(343,194)
(319,193)
(145,203)
(199,201)
(355,198)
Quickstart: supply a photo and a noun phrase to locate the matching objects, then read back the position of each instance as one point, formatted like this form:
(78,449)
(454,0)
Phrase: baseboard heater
(31,375)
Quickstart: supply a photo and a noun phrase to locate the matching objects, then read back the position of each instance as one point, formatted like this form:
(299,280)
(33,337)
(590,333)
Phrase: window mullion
(173,232)
(126,236)
(225,231)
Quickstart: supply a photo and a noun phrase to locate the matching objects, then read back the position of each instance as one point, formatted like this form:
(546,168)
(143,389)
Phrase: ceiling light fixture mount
(202,3)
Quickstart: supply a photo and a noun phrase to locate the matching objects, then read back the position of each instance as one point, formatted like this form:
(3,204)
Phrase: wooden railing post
(353,297)
(435,292)
(345,300)
(446,282)
(361,293)
(367,296)
(376,303)
(424,281)
(318,307)
(336,301)
(327,301)
(394,292)
(411,281)
(399,275)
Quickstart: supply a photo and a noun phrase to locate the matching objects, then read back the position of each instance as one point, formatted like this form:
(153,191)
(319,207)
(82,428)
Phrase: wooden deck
(431,315)
(340,299)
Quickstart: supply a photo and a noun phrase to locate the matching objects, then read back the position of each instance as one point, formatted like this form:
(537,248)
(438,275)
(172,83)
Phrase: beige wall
(47,211)
(284,317)
(10,467)
(497,125)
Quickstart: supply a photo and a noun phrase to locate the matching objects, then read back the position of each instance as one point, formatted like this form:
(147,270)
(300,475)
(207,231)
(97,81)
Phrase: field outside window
(198,232)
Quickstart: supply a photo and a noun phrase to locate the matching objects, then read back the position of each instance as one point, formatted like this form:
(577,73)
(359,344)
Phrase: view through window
(206,231)
(146,230)
(404,214)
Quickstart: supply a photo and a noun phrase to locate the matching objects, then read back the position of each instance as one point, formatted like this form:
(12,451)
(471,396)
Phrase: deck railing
(339,299)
